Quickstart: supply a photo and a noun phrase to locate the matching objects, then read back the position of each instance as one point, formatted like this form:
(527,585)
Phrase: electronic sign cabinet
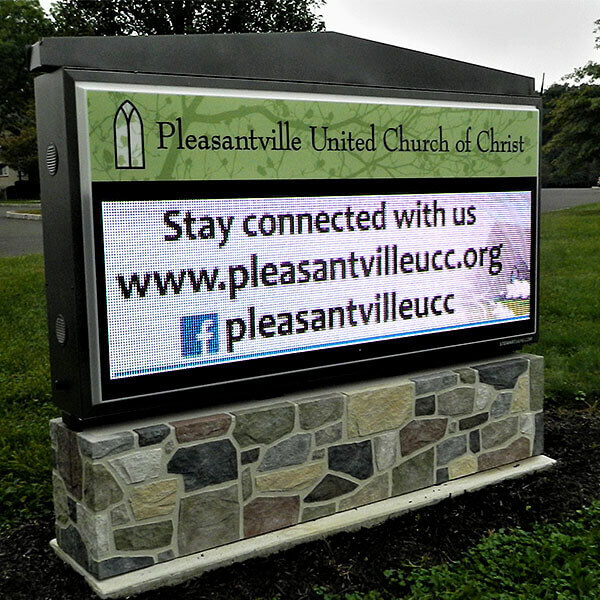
(222,209)
(322,249)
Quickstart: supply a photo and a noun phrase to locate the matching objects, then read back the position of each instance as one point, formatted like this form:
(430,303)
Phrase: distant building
(8,178)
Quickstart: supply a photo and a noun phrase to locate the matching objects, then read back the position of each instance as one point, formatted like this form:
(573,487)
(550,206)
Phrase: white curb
(11,214)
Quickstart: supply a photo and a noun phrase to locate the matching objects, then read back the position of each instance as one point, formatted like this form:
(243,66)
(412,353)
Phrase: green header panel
(138,136)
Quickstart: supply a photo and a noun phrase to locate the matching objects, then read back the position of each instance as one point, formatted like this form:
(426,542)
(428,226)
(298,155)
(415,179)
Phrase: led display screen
(192,282)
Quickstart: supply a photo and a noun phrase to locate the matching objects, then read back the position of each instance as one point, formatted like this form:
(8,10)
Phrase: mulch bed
(29,570)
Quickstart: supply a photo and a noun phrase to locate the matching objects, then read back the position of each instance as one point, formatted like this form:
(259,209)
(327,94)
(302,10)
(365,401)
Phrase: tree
(19,149)
(571,135)
(167,17)
(591,71)
(571,128)
(22,22)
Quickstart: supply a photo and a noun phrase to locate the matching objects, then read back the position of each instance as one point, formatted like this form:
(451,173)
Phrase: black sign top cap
(321,58)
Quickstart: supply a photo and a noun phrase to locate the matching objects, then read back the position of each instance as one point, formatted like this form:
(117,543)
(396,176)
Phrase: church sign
(233,233)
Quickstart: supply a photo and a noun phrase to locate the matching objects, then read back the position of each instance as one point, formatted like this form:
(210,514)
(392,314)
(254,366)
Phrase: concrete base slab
(181,569)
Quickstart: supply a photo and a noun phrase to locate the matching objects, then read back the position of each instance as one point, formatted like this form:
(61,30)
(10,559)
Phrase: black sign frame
(74,389)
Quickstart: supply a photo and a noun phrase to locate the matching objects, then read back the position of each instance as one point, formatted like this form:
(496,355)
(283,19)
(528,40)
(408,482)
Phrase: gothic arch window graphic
(129,137)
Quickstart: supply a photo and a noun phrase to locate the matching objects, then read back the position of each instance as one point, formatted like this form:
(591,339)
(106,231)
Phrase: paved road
(19,237)
(25,237)
(559,198)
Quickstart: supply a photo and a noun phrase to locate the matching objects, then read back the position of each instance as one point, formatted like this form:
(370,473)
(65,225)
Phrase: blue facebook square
(199,335)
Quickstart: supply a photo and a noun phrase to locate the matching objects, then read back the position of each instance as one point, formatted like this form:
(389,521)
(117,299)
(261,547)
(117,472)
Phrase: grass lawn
(25,407)
(548,560)
(570,306)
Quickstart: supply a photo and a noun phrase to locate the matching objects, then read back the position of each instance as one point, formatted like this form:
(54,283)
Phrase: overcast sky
(529,37)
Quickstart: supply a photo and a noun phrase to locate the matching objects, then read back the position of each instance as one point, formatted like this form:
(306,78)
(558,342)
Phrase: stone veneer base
(147,492)
(181,569)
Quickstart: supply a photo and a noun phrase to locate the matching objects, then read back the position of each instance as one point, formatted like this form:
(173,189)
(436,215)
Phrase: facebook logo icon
(199,335)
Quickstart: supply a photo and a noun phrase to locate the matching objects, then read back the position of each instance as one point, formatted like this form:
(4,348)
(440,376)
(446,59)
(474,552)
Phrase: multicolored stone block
(133,497)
